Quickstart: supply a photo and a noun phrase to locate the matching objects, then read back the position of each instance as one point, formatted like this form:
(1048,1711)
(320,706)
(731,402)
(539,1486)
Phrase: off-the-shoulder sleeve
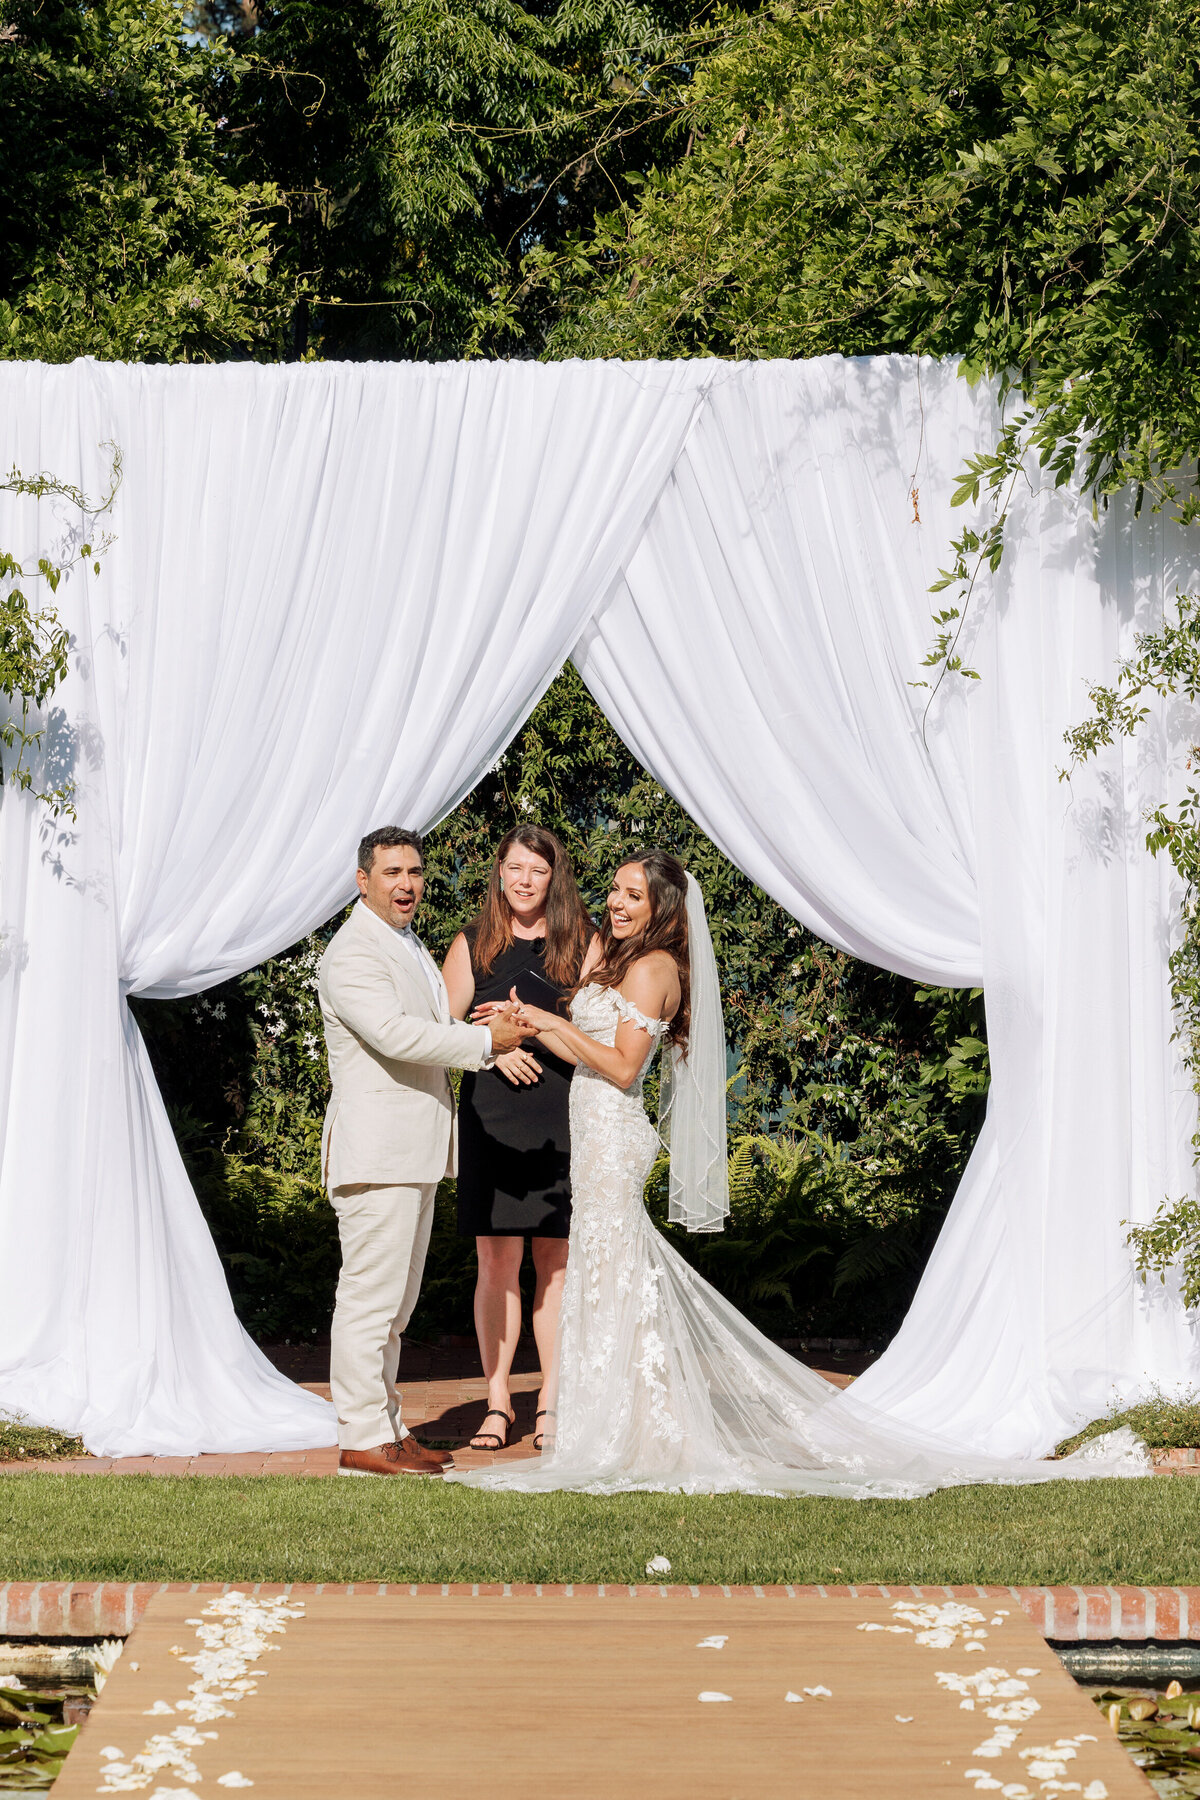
(656,1027)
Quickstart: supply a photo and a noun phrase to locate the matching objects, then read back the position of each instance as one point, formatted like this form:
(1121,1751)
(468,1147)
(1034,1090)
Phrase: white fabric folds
(758,658)
(335,593)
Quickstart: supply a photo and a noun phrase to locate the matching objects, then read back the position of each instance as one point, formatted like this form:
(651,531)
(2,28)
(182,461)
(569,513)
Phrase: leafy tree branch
(34,643)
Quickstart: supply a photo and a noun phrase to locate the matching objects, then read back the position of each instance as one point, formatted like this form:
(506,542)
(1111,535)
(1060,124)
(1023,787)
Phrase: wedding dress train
(663,1385)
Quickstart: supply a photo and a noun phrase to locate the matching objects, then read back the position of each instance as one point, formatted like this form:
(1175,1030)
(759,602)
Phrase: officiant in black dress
(514,1155)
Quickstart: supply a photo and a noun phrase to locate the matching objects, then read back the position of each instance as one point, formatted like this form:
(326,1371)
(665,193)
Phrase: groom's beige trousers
(385,1235)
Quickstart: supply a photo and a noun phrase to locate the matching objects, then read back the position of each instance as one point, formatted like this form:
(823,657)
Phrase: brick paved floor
(444,1399)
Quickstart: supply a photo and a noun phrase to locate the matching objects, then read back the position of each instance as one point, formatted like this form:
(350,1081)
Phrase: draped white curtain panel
(334,594)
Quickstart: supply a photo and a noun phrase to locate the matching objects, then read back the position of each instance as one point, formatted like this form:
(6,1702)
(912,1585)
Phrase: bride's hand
(487,1009)
(532,1017)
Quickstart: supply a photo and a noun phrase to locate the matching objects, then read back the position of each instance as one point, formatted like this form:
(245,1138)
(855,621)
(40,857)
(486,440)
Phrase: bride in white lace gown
(660,1382)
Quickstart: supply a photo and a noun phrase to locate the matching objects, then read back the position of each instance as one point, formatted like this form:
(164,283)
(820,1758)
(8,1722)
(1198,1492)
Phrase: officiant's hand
(519,1067)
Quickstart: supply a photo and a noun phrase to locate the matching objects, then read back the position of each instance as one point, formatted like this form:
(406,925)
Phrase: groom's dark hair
(386,837)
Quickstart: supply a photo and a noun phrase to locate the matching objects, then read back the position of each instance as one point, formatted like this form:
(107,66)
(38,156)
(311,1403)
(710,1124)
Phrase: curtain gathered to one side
(334,594)
(759,657)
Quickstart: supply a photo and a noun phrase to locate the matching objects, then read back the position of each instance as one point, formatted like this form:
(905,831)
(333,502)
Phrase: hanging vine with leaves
(34,642)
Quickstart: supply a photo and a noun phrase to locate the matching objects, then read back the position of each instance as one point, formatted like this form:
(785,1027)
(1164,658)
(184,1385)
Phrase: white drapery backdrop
(335,594)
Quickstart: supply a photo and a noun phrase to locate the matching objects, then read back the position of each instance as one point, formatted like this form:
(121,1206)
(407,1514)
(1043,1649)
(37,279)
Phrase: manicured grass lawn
(276,1528)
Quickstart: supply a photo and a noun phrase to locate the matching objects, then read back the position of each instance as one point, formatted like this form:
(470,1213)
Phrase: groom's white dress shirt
(391,1039)
(431,973)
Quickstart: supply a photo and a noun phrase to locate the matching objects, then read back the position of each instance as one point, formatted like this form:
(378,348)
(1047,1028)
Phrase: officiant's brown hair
(569,930)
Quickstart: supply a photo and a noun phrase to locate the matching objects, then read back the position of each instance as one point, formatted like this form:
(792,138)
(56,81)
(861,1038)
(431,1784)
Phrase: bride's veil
(691,1117)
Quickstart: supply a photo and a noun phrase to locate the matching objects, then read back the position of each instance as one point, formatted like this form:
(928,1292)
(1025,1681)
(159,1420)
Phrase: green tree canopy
(124,234)
(1018,185)
(421,147)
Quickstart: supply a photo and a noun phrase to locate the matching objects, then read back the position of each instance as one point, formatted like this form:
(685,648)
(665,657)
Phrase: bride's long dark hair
(666,890)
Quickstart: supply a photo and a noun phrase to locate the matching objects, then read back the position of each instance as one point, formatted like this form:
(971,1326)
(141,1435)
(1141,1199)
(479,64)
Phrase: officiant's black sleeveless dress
(514,1147)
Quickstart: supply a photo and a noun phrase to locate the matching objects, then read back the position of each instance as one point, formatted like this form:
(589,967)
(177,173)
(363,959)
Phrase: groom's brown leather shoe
(404,1457)
(443,1458)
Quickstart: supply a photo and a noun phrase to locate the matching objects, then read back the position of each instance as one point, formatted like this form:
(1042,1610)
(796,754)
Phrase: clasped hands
(510,1022)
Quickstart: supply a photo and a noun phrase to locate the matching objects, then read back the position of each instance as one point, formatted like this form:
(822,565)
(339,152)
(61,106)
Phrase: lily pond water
(46,1692)
(1161,1731)
(1150,1696)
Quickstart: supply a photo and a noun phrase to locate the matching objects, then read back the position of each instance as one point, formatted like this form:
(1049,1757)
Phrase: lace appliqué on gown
(662,1384)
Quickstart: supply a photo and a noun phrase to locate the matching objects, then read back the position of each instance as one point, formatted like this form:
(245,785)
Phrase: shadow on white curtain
(335,594)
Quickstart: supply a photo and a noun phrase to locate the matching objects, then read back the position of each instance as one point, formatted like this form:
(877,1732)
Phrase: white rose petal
(235,1778)
(1029,1671)
(710,1694)
(658,1565)
(1095,1790)
(1015,1711)
(819,1693)
(712,1643)
(906,1719)
(797,1698)
(160,1706)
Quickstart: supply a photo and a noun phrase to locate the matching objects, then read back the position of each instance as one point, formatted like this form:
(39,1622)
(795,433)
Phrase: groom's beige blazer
(390,1038)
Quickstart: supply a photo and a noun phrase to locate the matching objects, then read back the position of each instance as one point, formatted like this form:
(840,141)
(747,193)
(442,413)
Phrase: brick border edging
(91,1609)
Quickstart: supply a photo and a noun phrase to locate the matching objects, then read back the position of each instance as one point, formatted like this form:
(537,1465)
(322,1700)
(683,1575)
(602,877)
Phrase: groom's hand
(506,1032)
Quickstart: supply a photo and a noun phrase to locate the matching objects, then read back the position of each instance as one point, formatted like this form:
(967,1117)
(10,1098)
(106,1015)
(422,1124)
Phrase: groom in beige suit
(389,1138)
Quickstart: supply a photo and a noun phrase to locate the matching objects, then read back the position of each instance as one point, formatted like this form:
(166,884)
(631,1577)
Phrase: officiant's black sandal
(498,1442)
(539,1436)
